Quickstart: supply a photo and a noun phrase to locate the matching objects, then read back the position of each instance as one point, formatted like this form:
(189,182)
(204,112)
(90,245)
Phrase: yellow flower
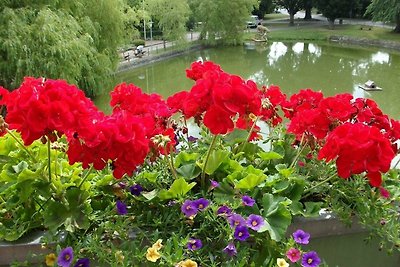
(152,254)
(51,259)
(119,256)
(157,245)
(187,263)
(281,262)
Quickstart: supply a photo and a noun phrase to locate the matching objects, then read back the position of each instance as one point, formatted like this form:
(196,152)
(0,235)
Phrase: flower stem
(299,153)
(320,183)
(187,133)
(397,163)
(86,176)
(49,158)
(171,163)
(249,135)
(203,173)
(21,145)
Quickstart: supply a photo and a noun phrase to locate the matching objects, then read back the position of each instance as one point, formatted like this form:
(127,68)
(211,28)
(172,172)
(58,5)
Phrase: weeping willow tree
(75,40)
(386,10)
(223,20)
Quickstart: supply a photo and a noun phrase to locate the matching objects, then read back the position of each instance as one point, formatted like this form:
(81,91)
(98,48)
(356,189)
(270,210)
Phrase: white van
(252,22)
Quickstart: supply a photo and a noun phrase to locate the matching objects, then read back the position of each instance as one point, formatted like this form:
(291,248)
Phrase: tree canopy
(292,6)
(333,9)
(387,11)
(75,40)
(223,20)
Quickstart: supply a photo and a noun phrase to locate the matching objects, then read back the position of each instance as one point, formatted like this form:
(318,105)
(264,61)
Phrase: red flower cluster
(224,101)
(358,148)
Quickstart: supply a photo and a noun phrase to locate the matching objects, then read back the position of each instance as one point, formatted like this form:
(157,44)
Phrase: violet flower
(241,233)
(255,222)
(310,259)
(84,262)
(65,257)
(301,237)
(121,208)
(201,203)
(248,201)
(230,249)
(224,210)
(136,189)
(214,184)
(236,220)
(194,244)
(189,208)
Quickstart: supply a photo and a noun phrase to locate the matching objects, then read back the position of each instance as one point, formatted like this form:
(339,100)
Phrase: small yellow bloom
(119,256)
(187,263)
(51,259)
(281,262)
(152,254)
(157,245)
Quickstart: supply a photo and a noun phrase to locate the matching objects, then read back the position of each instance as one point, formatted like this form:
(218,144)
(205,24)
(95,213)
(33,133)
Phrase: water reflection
(292,66)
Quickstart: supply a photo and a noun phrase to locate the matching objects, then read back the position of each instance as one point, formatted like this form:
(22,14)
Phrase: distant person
(139,50)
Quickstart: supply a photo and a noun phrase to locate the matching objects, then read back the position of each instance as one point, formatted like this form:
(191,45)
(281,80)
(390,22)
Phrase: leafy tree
(292,6)
(386,10)
(265,7)
(171,15)
(222,20)
(333,9)
(75,40)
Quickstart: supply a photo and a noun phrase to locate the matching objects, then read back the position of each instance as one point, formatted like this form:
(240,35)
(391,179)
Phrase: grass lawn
(275,16)
(281,32)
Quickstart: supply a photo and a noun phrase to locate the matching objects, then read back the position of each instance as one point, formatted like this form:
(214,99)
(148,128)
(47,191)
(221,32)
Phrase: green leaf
(253,178)
(277,215)
(150,195)
(189,171)
(55,215)
(185,157)
(312,209)
(237,136)
(269,155)
(20,167)
(179,188)
(215,160)
(5,159)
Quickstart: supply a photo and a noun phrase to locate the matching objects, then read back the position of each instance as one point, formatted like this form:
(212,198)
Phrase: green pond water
(320,66)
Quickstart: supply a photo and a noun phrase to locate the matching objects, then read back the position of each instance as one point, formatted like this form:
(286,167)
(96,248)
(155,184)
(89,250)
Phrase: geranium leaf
(178,188)
(269,155)
(189,171)
(184,157)
(215,160)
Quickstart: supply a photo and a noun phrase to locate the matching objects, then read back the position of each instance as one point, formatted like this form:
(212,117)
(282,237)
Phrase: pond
(330,68)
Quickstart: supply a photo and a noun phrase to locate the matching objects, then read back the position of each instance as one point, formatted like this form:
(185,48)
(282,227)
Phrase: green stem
(249,135)
(203,173)
(171,163)
(49,158)
(397,163)
(187,133)
(86,176)
(320,183)
(21,145)
(299,153)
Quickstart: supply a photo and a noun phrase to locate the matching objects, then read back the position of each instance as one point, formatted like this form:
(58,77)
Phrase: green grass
(281,32)
(275,16)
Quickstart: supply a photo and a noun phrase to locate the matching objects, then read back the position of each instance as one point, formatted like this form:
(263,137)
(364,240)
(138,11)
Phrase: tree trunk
(307,16)
(397,29)
(331,23)
(291,23)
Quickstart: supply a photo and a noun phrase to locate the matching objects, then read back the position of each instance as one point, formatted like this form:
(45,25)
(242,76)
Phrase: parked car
(252,21)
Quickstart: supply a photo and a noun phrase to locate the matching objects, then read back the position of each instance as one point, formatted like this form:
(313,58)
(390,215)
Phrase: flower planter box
(343,246)
(336,243)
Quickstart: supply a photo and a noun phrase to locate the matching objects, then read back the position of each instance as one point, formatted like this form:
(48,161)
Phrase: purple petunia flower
(224,210)
(301,237)
(214,184)
(248,201)
(241,233)
(192,139)
(189,208)
(122,185)
(230,249)
(136,189)
(310,259)
(194,244)
(293,254)
(236,220)
(255,222)
(201,203)
(84,262)
(65,257)
(121,208)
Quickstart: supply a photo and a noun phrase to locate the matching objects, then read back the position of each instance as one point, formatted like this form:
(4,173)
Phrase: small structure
(370,86)
(261,35)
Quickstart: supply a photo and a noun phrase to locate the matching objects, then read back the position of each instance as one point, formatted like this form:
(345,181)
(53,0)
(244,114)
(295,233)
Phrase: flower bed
(139,188)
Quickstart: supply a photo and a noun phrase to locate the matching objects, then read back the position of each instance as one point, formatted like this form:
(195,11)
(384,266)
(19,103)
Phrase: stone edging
(365,42)
(151,59)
